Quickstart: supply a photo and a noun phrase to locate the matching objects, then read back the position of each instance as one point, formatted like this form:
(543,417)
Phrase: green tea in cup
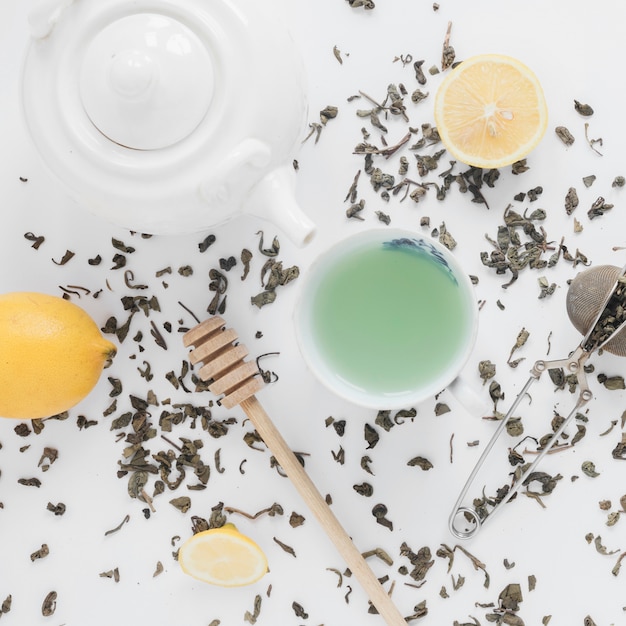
(386,318)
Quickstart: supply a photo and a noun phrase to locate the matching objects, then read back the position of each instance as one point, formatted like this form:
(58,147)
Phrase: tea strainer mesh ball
(585,298)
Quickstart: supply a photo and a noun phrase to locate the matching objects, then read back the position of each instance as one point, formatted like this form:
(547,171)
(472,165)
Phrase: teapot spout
(273,198)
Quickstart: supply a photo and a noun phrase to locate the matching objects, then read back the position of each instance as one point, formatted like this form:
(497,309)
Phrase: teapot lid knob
(132,73)
(146,81)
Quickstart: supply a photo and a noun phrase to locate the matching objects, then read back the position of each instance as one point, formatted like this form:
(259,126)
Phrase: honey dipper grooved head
(222,361)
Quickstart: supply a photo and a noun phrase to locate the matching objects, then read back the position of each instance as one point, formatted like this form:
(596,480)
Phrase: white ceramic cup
(447,272)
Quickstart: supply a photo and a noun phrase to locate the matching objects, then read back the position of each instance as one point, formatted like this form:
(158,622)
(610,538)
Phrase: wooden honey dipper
(237,381)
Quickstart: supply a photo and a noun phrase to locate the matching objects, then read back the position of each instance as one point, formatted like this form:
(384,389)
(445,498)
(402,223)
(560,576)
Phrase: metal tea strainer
(594,307)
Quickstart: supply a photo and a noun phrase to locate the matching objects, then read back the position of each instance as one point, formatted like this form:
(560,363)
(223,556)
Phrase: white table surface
(576,49)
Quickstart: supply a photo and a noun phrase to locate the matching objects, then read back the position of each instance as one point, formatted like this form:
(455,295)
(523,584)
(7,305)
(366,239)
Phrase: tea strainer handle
(473,519)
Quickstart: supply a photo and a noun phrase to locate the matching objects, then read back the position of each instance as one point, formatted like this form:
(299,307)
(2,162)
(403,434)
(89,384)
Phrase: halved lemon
(223,556)
(490,111)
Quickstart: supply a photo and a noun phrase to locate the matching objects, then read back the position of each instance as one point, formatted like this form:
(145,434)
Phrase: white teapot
(168,117)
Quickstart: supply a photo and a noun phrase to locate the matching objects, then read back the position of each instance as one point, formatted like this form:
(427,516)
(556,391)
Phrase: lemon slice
(490,111)
(222,556)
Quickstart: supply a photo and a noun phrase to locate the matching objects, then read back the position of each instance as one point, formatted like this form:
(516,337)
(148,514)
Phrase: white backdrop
(576,49)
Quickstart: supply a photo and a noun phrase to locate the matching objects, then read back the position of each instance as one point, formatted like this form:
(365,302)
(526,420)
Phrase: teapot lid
(146,81)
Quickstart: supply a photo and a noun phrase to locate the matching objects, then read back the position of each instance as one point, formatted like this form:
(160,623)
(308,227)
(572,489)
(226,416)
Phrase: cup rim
(364,398)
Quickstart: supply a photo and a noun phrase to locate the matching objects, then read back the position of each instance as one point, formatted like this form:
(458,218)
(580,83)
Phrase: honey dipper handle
(312,497)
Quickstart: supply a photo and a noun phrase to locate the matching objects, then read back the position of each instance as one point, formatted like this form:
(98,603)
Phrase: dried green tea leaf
(571,200)
(252,617)
(420,462)
(478,565)
(421,561)
(445,238)
(57,509)
(487,370)
(285,547)
(601,549)
(295,519)
(246,257)
(328,113)
(598,208)
(521,339)
(589,469)
(49,604)
(441,408)
(118,527)
(379,511)
(43,552)
(371,436)
(112,573)
(29,482)
(263,298)
(354,210)
(583,109)
(547,481)
(383,217)
(66,257)
(182,503)
(206,243)
(5,607)
(365,464)
(364,489)
(495,391)
(379,553)
(564,135)
(50,455)
(612,382)
(618,564)
(383,419)
(273,250)
(298,609)
(515,427)
(136,483)
(37,240)
(510,597)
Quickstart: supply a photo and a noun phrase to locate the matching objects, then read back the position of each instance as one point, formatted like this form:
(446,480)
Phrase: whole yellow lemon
(51,355)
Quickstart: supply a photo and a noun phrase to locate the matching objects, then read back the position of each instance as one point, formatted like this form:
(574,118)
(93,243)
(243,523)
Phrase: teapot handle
(43,18)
